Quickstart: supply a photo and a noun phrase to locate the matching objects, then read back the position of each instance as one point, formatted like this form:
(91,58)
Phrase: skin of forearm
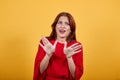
(44,63)
(71,66)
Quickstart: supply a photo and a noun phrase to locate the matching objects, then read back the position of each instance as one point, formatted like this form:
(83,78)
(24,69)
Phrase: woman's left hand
(71,50)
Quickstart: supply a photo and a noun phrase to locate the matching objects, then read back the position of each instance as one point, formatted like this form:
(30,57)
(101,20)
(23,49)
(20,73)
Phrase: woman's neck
(61,40)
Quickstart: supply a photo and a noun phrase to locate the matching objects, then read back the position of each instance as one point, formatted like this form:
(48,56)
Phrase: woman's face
(63,27)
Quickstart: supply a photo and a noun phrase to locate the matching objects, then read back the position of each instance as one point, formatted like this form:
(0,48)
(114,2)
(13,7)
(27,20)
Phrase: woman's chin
(62,36)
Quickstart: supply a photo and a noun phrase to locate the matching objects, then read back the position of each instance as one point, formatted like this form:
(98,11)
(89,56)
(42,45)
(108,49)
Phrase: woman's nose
(62,25)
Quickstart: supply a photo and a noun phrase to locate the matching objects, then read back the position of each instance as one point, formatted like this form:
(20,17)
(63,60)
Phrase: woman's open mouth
(62,31)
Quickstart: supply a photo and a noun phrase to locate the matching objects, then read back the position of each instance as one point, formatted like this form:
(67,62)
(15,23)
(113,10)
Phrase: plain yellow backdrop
(23,22)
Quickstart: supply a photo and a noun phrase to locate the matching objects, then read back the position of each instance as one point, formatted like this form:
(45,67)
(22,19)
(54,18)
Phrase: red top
(58,65)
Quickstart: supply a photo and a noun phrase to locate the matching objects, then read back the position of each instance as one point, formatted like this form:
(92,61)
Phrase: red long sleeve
(39,56)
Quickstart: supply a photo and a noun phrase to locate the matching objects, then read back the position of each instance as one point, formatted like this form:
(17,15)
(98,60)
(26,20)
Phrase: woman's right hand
(47,46)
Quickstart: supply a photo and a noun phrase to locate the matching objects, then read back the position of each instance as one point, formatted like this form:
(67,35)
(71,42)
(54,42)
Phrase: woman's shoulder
(74,41)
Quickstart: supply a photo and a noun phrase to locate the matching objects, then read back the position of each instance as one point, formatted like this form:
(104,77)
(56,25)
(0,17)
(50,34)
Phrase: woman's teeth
(62,31)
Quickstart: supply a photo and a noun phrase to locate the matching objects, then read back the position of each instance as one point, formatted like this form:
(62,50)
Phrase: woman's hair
(72,35)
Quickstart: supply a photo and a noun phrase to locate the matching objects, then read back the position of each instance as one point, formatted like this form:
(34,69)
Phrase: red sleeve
(39,56)
(78,60)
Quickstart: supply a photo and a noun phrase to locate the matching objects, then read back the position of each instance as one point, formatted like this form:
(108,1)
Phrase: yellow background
(23,22)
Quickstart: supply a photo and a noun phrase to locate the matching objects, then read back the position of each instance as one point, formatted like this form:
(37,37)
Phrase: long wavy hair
(72,35)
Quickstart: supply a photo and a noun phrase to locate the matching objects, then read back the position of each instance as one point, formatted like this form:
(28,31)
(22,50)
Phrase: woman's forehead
(63,18)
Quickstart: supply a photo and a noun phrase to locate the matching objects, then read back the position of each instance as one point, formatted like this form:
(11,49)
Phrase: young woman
(59,56)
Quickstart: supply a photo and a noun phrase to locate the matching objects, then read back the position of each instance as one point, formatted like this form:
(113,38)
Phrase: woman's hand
(47,46)
(71,50)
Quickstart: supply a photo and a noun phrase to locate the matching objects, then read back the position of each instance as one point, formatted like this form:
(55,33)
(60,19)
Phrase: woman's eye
(59,22)
(67,23)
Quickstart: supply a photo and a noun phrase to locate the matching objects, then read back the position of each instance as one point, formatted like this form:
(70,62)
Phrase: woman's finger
(77,47)
(75,44)
(55,44)
(65,45)
(77,51)
(45,41)
(41,45)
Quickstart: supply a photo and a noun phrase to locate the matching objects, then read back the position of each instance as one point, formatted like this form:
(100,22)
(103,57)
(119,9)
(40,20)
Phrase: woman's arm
(44,63)
(71,66)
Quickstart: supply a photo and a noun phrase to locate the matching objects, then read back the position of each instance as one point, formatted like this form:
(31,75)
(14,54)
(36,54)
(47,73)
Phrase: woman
(59,56)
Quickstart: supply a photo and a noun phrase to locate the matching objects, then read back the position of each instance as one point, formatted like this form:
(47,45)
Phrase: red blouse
(58,66)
